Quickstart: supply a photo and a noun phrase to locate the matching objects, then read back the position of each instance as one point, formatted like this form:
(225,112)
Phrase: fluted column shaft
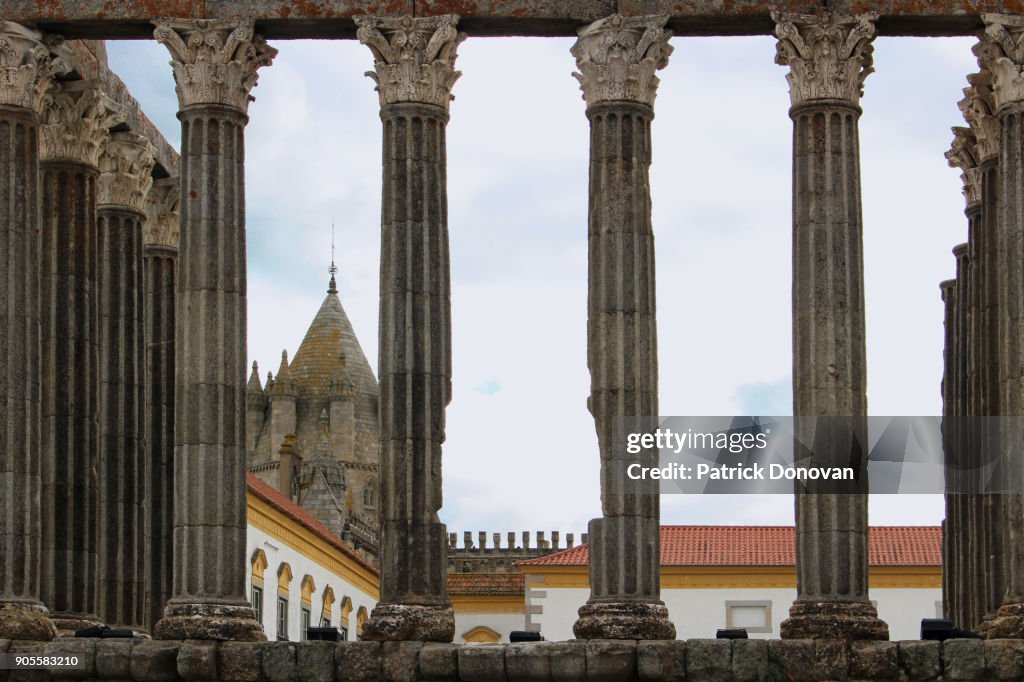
(25,71)
(965,544)
(951,597)
(829,371)
(415,322)
(215,66)
(1001,53)
(122,440)
(70,386)
(160,268)
(620,86)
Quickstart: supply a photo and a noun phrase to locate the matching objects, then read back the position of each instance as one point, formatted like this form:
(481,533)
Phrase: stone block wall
(572,661)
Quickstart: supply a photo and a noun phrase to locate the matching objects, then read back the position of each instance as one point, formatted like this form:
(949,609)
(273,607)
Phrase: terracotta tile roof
(485,583)
(271,496)
(767,546)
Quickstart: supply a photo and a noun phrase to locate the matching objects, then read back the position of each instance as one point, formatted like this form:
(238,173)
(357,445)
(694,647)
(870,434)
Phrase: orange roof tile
(767,546)
(485,583)
(273,497)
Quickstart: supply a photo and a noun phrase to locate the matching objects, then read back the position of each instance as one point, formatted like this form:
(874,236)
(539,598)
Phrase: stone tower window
(370,494)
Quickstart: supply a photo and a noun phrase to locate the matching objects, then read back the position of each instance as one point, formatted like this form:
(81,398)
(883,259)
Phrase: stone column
(76,120)
(829,58)
(617,58)
(126,175)
(1001,52)
(215,66)
(160,264)
(414,71)
(978,107)
(951,597)
(26,66)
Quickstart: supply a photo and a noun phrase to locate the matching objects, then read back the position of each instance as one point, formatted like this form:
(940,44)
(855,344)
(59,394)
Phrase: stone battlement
(497,552)
(577,660)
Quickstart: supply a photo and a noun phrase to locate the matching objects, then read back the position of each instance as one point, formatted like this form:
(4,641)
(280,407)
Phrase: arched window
(360,619)
(284,580)
(370,494)
(325,612)
(308,587)
(481,634)
(346,610)
(259,567)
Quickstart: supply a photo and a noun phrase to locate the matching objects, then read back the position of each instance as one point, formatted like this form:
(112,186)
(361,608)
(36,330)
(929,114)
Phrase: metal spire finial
(333,287)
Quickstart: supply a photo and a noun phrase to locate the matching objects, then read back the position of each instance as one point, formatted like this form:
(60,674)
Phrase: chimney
(526,539)
(554,539)
(569,537)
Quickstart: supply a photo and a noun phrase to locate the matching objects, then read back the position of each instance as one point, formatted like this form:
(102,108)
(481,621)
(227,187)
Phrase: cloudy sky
(521,450)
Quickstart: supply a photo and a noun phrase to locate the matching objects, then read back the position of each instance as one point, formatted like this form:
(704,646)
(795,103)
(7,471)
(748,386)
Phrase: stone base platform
(698,660)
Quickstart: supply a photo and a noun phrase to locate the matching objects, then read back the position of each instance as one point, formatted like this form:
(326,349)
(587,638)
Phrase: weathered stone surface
(439,661)
(315,661)
(829,57)
(83,649)
(788,659)
(413,59)
(197,660)
(618,58)
(749,660)
(210,362)
(610,660)
(358,662)
(241,661)
(286,19)
(30,649)
(661,660)
(610,73)
(920,660)
(280,661)
(874,661)
(415,312)
(400,661)
(1004,659)
(963,659)
(568,660)
(528,662)
(709,659)
(22,615)
(113,659)
(482,663)
(155,661)
(215,62)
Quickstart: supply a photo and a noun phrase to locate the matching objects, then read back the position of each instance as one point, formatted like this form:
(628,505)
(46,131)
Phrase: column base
(212,621)
(26,621)
(1008,623)
(834,620)
(410,622)
(624,620)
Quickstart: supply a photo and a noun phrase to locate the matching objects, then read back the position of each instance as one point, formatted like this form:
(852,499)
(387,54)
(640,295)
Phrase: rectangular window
(325,622)
(305,624)
(344,634)
(282,619)
(754,616)
(257,603)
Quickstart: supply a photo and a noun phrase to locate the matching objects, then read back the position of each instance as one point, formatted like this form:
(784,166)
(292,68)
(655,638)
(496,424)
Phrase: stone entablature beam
(277,19)
(215,66)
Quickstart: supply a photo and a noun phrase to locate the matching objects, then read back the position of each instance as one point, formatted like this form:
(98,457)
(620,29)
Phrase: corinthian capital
(214,62)
(126,171)
(162,213)
(413,59)
(617,57)
(978,107)
(27,63)
(829,56)
(77,117)
(963,154)
(1001,52)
